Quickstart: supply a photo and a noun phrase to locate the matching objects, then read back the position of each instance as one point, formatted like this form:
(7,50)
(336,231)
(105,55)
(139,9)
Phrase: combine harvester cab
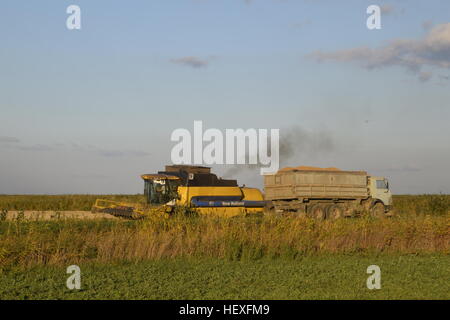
(189,187)
(196,188)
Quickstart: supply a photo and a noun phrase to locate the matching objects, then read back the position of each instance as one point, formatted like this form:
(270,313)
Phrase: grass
(313,277)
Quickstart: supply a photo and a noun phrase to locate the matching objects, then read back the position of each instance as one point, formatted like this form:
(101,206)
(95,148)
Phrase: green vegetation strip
(314,277)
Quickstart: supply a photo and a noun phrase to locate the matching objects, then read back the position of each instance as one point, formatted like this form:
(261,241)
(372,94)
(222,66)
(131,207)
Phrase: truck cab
(379,191)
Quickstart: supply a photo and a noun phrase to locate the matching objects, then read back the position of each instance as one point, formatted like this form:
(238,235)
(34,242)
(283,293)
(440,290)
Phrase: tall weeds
(431,204)
(28,243)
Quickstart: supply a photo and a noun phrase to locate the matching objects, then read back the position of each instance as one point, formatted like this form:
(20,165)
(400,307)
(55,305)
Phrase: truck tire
(334,212)
(378,210)
(317,211)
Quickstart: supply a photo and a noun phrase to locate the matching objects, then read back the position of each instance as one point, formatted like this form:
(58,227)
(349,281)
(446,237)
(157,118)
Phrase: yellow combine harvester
(192,187)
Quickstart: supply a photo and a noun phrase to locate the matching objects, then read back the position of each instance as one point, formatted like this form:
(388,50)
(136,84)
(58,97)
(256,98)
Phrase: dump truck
(327,192)
(189,187)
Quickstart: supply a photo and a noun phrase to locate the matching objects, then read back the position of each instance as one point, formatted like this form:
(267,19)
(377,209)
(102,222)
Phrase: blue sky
(87,111)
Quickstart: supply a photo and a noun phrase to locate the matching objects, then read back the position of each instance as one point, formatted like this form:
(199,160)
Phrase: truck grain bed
(293,184)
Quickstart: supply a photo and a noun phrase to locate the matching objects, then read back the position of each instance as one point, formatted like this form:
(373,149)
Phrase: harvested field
(52,215)
(405,205)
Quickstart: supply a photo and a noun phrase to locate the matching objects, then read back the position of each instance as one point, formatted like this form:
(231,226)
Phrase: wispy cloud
(109,153)
(387,9)
(404,168)
(427,25)
(90,176)
(35,147)
(103,152)
(191,61)
(391,10)
(424,76)
(301,24)
(433,50)
(6,139)
(121,153)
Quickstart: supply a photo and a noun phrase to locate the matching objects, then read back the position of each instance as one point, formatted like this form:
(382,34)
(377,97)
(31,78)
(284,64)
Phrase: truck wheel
(335,211)
(318,212)
(377,210)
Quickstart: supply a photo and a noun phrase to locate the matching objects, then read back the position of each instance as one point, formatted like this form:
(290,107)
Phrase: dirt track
(49,215)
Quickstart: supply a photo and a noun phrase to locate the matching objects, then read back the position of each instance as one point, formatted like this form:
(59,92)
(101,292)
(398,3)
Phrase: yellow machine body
(243,200)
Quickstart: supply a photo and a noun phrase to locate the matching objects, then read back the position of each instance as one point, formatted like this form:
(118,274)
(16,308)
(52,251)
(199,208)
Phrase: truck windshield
(381,184)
